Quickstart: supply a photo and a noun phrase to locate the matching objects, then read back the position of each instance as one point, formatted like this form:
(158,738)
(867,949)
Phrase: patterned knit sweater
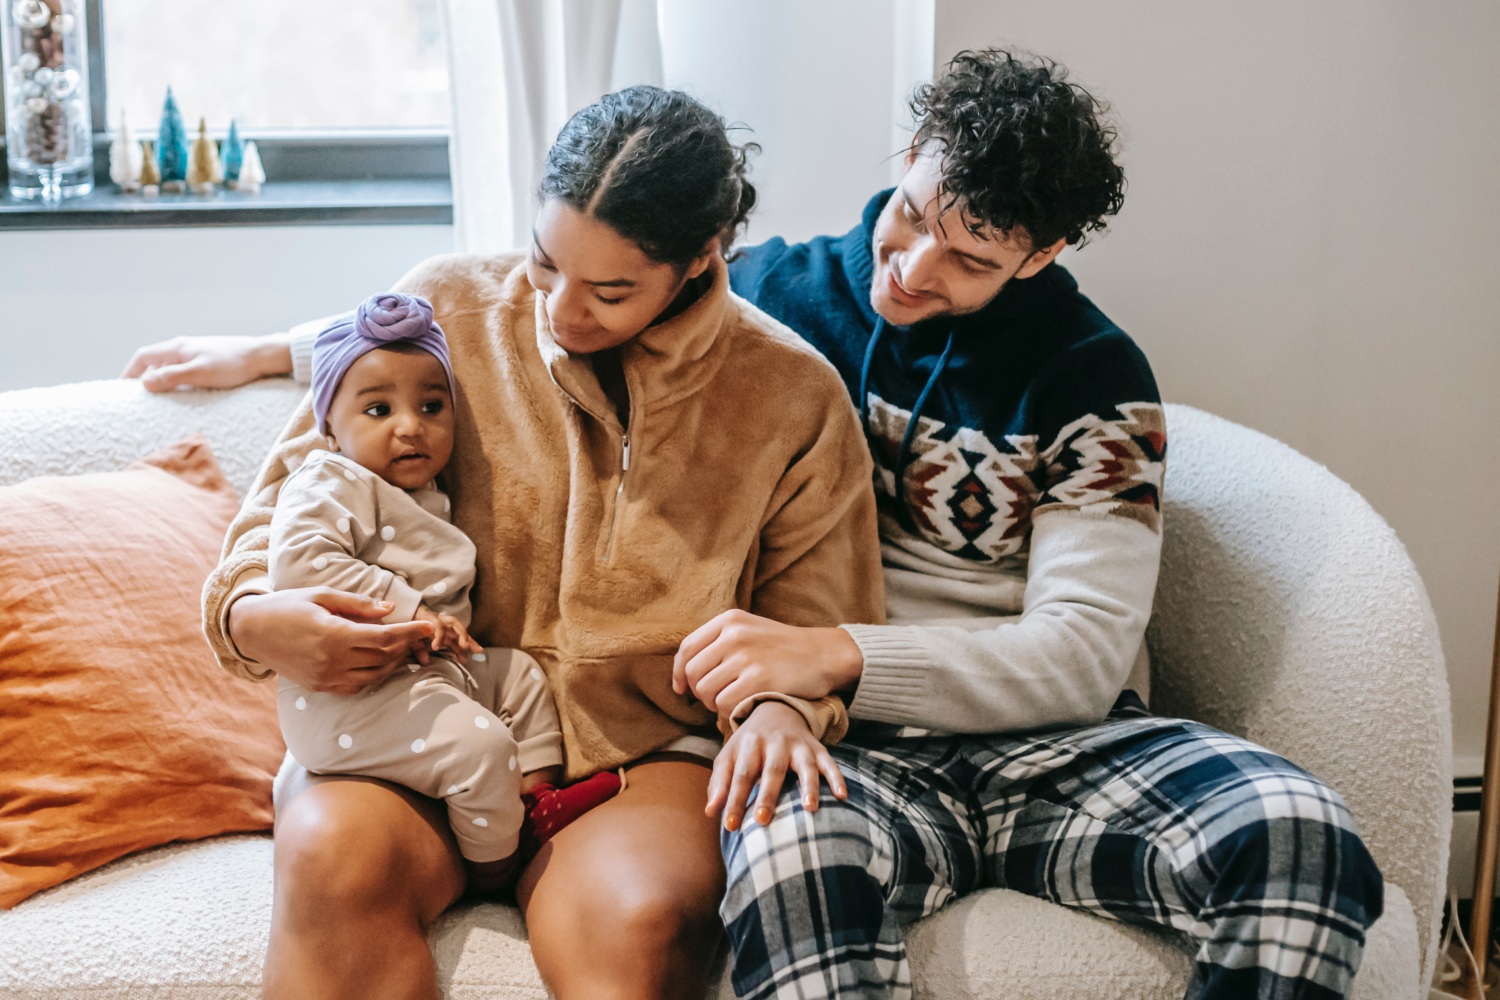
(1019,507)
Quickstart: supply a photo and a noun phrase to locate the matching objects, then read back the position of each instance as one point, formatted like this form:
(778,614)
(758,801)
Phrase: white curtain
(517,70)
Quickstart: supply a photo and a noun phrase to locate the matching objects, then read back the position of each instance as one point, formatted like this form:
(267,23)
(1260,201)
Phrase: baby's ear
(333,442)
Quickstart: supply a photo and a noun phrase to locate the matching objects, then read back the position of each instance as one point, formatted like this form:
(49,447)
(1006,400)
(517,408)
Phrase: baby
(475,727)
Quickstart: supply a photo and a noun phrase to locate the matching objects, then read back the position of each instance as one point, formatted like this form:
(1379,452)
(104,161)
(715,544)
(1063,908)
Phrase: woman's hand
(772,741)
(210,362)
(324,639)
(738,654)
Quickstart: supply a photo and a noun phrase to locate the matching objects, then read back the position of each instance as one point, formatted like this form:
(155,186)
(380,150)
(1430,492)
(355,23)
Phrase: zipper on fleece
(614,514)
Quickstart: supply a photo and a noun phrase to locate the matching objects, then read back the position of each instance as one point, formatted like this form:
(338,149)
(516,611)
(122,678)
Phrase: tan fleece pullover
(742,481)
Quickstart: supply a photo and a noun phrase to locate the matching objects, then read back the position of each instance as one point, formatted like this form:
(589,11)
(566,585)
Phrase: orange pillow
(118,731)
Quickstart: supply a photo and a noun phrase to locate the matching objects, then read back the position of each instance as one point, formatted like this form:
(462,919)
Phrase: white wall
(816,81)
(1310,244)
(78,302)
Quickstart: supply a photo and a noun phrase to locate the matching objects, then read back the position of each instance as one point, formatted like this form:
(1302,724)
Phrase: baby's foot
(549,809)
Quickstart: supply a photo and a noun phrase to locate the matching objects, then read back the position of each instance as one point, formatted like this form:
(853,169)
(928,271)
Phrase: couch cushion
(190,922)
(120,733)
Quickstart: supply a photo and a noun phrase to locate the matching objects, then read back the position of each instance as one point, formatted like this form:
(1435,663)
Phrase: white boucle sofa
(1287,612)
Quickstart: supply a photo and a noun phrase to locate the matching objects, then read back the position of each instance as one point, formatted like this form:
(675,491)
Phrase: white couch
(1287,612)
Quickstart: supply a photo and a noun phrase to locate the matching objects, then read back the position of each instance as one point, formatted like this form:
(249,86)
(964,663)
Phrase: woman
(636,452)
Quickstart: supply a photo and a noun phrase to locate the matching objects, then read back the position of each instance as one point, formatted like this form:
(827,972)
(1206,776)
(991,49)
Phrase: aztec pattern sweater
(741,481)
(1019,454)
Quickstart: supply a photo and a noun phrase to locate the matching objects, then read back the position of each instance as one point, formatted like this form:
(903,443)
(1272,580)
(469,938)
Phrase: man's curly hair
(1021,148)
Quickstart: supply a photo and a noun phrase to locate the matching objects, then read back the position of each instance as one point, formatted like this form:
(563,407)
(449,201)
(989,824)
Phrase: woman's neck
(610,372)
(692,291)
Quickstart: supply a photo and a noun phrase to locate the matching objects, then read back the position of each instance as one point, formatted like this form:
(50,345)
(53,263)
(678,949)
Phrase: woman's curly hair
(1021,147)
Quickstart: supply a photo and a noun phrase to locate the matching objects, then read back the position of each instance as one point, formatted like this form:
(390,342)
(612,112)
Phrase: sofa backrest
(102,426)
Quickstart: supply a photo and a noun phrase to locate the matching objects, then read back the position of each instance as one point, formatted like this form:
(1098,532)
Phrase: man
(1019,445)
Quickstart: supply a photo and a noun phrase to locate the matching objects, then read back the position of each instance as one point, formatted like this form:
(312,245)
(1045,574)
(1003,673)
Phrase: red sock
(549,809)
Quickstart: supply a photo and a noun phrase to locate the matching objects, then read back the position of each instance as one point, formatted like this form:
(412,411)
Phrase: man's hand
(738,654)
(324,639)
(448,634)
(774,740)
(210,362)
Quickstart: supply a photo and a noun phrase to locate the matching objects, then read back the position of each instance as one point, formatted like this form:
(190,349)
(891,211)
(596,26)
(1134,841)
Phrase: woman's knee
(331,856)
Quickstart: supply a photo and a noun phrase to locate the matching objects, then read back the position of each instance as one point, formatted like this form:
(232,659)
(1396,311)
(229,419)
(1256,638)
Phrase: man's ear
(1040,259)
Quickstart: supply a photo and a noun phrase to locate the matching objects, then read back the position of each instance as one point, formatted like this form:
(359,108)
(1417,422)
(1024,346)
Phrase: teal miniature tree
(232,155)
(172,144)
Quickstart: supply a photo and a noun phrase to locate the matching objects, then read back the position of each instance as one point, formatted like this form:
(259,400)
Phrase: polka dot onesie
(464,734)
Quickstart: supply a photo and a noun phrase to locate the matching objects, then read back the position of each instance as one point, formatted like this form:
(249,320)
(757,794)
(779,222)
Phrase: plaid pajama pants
(1254,862)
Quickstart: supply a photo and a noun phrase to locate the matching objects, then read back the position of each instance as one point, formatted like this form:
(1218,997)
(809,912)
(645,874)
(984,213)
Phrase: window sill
(386,201)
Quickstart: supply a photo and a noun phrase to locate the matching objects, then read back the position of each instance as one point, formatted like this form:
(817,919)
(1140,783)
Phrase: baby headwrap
(392,318)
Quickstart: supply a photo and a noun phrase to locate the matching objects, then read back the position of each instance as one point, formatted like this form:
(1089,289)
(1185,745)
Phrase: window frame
(326,177)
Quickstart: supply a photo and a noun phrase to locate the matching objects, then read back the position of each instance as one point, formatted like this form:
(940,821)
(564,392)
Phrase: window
(347,101)
(322,65)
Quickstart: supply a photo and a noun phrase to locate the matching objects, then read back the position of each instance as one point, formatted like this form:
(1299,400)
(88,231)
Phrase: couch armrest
(1289,613)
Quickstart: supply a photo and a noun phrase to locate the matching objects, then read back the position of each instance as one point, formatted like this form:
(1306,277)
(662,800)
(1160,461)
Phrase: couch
(1287,612)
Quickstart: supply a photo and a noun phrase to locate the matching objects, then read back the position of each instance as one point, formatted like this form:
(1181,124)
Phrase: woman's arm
(818,564)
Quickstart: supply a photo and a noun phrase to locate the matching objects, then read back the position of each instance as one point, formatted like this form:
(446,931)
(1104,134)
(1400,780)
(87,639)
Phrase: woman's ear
(700,263)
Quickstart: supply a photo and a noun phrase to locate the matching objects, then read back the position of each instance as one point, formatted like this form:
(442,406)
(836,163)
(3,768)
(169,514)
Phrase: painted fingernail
(731,823)
(763,816)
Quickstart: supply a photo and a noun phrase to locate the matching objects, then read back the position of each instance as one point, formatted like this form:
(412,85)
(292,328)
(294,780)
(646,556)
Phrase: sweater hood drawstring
(903,454)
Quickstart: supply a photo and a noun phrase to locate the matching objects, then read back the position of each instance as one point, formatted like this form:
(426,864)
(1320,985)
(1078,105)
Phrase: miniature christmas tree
(232,154)
(203,165)
(172,147)
(125,158)
(252,174)
(150,175)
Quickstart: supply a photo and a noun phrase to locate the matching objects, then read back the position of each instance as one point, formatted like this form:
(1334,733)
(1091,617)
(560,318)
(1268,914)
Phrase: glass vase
(48,134)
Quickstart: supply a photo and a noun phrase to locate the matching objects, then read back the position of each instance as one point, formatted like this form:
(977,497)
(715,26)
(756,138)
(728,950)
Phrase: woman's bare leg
(363,868)
(624,901)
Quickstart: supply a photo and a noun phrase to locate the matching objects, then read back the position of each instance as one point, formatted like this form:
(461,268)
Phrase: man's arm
(223,362)
(1089,590)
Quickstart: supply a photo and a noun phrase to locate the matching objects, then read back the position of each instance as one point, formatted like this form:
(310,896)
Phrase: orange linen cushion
(118,731)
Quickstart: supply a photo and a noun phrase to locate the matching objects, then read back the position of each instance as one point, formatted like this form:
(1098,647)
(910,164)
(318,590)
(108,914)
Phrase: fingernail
(763,816)
(807,800)
(731,823)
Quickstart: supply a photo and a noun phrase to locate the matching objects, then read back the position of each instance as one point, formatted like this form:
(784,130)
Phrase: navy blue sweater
(1041,400)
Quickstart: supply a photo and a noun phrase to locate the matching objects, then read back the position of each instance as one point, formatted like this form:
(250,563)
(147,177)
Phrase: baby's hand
(449,634)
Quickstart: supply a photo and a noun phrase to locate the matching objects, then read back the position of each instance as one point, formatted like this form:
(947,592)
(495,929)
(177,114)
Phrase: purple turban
(392,318)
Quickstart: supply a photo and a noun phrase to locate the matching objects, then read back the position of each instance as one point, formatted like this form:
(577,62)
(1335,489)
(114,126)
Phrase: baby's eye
(432,406)
(378,410)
